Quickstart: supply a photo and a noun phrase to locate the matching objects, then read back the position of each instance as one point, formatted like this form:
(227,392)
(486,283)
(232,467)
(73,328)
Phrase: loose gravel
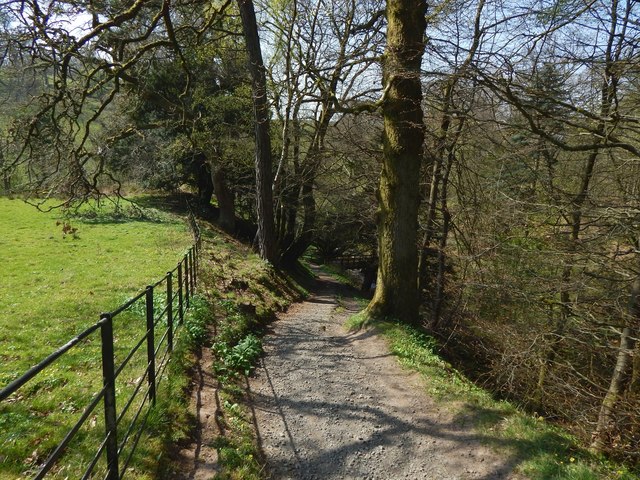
(330,404)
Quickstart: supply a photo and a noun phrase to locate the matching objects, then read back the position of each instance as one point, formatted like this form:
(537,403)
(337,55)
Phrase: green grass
(539,449)
(54,286)
(171,420)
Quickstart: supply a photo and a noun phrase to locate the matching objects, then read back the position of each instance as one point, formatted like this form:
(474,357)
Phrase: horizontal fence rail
(164,307)
(356,261)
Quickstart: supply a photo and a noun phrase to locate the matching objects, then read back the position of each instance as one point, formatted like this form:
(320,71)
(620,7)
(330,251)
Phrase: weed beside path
(245,294)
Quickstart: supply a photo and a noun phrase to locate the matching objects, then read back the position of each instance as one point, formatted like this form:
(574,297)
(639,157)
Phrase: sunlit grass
(539,450)
(54,286)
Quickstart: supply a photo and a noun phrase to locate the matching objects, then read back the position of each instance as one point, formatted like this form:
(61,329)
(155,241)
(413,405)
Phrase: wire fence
(163,306)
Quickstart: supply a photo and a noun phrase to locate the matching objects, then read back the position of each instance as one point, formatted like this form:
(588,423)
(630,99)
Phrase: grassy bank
(59,273)
(243,295)
(538,449)
(247,294)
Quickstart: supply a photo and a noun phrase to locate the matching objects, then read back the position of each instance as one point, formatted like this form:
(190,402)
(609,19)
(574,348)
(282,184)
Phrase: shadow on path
(335,405)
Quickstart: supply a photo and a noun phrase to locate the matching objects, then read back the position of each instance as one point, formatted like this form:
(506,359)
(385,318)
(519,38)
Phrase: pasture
(54,282)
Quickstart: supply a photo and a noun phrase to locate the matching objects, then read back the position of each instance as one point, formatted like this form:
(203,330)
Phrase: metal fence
(356,261)
(164,306)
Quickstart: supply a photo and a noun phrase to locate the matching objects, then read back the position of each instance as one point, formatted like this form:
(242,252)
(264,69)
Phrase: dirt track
(335,405)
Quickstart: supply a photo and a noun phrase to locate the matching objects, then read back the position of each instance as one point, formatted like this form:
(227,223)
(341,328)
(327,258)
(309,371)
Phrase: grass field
(52,286)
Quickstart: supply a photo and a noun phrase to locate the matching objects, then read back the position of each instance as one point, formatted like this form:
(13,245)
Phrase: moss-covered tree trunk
(397,287)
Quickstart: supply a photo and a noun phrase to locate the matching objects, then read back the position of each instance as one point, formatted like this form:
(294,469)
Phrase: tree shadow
(473,432)
(379,431)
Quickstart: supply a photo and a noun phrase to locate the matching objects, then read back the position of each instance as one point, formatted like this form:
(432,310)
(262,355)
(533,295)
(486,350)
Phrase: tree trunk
(226,202)
(397,286)
(623,363)
(302,242)
(634,383)
(607,409)
(560,324)
(444,146)
(608,102)
(309,172)
(291,194)
(605,417)
(6,179)
(430,223)
(263,161)
(439,294)
(202,172)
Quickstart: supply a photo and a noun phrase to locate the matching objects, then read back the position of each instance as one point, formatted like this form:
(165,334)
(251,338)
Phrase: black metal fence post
(109,383)
(180,307)
(186,280)
(169,311)
(196,262)
(151,357)
(191,269)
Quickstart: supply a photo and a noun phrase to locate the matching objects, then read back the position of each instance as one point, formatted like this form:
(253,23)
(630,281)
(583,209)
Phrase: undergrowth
(247,293)
(171,420)
(540,450)
(236,350)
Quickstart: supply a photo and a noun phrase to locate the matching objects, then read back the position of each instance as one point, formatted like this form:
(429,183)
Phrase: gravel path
(335,405)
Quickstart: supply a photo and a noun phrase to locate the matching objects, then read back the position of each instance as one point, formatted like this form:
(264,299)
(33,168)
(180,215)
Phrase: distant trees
(323,56)
(87,65)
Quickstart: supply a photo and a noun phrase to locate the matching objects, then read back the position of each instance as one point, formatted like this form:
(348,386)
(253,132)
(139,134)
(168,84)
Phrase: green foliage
(248,292)
(238,453)
(235,324)
(239,358)
(171,419)
(198,318)
(236,350)
(235,347)
(217,101)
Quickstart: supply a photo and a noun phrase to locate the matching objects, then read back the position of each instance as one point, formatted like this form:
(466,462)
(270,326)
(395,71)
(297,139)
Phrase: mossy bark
(396,290)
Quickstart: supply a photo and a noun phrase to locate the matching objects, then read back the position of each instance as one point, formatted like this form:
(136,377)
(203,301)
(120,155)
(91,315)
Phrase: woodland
(488,152)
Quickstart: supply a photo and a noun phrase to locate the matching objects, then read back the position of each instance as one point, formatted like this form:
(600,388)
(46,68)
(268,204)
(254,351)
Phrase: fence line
(356,261)
(176,296)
